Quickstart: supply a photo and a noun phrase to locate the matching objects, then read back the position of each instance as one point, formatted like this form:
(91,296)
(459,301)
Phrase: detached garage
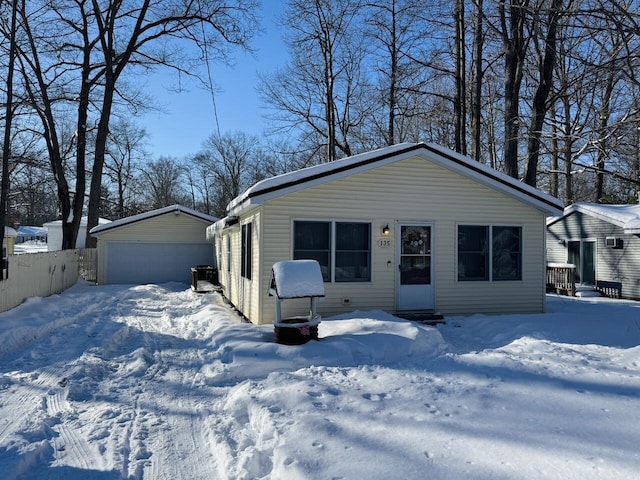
(153,247)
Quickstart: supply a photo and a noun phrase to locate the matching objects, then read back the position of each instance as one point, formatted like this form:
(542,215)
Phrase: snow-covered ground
(30,246)
(157,382)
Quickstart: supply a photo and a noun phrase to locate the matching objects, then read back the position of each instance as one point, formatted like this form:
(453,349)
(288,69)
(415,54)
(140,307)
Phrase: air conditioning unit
(613,242)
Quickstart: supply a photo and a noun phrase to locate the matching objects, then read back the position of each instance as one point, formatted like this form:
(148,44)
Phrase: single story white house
(411,227)
(8,241)
(603,242)
(153,247)
(54,233)
(28,233)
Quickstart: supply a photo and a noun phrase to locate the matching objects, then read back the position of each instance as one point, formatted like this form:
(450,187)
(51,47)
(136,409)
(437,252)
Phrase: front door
(415,284)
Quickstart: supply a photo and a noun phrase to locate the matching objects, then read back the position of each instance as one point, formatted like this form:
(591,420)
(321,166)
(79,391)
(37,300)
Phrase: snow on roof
(175,209)
(297,279)
(442,156)
(10,232)
(304,174)
(83,222)
(32,231)
(625,216)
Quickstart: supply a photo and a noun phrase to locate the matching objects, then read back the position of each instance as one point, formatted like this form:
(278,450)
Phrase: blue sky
(188,117)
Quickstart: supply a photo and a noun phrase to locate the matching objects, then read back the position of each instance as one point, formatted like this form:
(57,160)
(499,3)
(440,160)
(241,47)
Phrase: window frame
(491,253)
(331,268)
(246,250)
(228,248)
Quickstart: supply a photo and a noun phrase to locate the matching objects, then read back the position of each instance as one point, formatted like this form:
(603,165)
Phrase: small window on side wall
(247,251)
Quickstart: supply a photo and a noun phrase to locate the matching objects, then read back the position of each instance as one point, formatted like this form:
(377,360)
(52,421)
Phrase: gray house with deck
(603,242)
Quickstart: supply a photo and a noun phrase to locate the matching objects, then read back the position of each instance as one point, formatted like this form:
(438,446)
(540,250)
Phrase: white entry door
(415,280)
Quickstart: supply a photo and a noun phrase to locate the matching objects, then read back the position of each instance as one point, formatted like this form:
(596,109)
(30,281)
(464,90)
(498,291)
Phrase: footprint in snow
(375,397)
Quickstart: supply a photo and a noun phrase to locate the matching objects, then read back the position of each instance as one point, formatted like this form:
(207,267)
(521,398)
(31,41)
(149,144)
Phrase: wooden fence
(43,274)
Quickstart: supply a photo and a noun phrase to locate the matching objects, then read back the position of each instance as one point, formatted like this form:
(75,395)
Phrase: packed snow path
(157,382)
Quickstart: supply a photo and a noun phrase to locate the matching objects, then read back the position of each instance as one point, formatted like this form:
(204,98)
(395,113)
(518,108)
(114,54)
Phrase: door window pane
(416,240)
(415,270)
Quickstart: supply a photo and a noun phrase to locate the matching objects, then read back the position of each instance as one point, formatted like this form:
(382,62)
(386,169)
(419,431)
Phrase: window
(343,249)
(353,252)
(246,257)
(228,243)
(482,246)
(312,241)
(506,255)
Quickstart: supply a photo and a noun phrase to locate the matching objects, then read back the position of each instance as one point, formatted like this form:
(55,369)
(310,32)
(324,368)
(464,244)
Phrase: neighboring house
(602,241)
(54,233)
(412,227)
(8,241)
(30,234)
(153,247)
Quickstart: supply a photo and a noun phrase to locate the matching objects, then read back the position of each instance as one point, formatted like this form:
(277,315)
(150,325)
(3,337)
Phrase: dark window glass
(312,241)
(353,252)
(473,252)
(247,254)
(507,253)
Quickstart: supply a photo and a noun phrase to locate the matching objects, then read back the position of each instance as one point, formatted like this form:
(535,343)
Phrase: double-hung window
(343,249)
(245,267)
(489,253)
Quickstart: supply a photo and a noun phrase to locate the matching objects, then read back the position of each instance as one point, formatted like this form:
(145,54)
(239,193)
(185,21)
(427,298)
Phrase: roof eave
(171,210)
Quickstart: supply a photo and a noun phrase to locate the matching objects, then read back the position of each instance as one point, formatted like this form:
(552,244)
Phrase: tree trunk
(6,147)
(459,104)
(476,103)
(393,75)
(515,45)
(555,152)
(539,107)
(605,112)
(567,152)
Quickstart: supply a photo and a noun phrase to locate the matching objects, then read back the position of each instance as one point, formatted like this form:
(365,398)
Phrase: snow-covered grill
(296,279)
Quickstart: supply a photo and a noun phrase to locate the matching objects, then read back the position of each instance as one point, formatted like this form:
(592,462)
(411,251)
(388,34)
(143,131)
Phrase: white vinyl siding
(411,190)
(242,292)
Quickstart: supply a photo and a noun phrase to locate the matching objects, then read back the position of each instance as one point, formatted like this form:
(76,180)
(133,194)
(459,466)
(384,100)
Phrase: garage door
(141,263)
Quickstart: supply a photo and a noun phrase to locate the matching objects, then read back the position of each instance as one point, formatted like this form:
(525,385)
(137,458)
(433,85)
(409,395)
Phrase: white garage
(154,247)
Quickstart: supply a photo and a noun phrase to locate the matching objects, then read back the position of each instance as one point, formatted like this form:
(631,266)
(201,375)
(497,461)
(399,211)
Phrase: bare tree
(127,35)
(397,29)
(316,92)
(232,160)
(125,150)
(6,148)
(513,15)
(478,75)
(545,82)
(163,181)
(82,53)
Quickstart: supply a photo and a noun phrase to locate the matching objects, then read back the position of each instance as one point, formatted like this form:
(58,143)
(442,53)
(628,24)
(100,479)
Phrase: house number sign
(384,242)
